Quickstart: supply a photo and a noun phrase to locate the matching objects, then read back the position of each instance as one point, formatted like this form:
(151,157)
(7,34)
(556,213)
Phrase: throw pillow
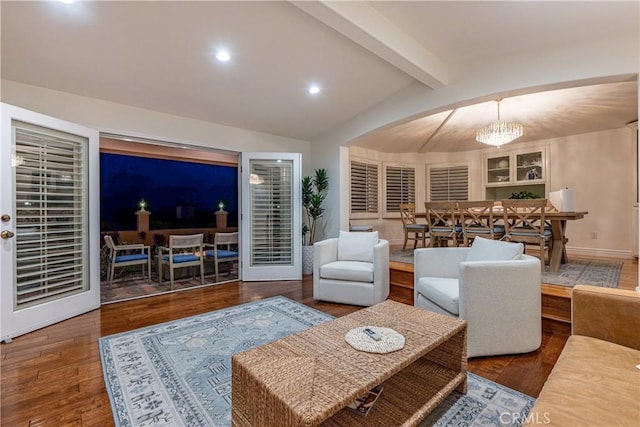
(494,250)
(356,246)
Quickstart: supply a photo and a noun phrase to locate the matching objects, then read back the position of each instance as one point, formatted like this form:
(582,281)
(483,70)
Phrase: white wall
(599,166)
(126,120)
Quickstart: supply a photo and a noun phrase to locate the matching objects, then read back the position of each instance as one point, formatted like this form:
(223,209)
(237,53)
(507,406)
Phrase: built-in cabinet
(515,171)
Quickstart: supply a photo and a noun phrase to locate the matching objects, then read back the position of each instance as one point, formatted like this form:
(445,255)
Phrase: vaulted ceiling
(161,56)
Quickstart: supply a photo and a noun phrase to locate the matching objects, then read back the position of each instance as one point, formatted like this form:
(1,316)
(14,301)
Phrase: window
(364,188)
(449,183)
(400,186)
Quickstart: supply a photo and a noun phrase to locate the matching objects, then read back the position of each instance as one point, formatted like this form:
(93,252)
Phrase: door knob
(5,218)
(6,234)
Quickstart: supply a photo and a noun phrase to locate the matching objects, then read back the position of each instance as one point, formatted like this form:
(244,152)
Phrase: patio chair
(223,249)
(135,254)
(183,251)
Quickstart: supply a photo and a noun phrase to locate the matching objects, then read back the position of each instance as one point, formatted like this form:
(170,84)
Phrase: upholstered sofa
(596,380)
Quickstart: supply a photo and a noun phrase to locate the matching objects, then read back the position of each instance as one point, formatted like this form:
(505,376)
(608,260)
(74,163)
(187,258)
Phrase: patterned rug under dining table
(558,221)
(310,377)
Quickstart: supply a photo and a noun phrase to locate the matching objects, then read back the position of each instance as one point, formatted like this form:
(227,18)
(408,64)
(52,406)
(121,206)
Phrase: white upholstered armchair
(492,285)
(351,269)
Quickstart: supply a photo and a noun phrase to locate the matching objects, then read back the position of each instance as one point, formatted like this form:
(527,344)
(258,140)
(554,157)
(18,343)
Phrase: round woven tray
(390,340)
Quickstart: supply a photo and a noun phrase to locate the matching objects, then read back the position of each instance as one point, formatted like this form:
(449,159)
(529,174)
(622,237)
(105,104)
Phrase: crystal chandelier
(499,133)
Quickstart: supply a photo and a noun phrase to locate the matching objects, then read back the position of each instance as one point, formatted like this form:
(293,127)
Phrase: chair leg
(171,276)
(406,237)
(113,267)
(149,270)
(201,272)
(216,268)
(415,241)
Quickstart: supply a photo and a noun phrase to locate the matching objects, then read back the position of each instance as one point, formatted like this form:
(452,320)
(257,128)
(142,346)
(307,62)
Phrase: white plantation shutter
(364,187)
(449,183)
(400,187)
(51,214)
(272,234)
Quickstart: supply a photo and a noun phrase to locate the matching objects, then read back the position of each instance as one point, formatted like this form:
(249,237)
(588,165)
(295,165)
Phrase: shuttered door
(51,215)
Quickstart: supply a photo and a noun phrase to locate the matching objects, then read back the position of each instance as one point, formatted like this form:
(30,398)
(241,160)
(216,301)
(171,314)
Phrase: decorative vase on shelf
(503,164)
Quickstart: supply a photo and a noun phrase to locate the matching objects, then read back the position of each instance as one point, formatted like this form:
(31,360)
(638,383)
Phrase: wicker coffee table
(309,378)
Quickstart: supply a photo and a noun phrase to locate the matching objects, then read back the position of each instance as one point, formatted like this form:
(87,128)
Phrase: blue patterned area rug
(179,373)
(582,271)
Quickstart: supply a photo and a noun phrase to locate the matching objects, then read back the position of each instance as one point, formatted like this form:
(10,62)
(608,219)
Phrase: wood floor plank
(53,376)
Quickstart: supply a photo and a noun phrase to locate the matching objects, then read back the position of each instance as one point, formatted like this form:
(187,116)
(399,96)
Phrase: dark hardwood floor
(53,376)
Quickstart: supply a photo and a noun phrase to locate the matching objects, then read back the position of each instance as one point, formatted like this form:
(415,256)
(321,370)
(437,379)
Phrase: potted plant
(314,191)
(524,195)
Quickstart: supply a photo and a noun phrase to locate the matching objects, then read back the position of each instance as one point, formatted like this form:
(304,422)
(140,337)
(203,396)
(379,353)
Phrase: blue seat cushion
(132,257)
(222,253)
(479,230)
(526,231)
(443,229)
(418,227)
(181,258)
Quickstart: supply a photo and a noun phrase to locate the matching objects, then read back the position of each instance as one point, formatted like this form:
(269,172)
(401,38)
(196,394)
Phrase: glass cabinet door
(529,166)
(498,170)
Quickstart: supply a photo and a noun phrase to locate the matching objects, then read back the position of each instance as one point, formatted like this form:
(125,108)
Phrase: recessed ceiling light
(223,56)
(67,1)
(314,89)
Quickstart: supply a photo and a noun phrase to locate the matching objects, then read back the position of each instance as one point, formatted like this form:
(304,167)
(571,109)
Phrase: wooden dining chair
(524,222)
(412,230)
(441,220)
(477,218)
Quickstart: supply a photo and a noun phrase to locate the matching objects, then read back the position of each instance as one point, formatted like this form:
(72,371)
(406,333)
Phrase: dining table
(557,220)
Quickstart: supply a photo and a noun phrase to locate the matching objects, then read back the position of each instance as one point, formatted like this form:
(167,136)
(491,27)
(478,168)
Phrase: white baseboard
(605,253)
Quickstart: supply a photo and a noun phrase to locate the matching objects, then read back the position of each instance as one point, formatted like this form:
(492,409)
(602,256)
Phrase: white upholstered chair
(351,269)
(492,285)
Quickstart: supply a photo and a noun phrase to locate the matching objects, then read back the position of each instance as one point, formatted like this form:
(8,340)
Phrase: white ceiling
(159,56)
